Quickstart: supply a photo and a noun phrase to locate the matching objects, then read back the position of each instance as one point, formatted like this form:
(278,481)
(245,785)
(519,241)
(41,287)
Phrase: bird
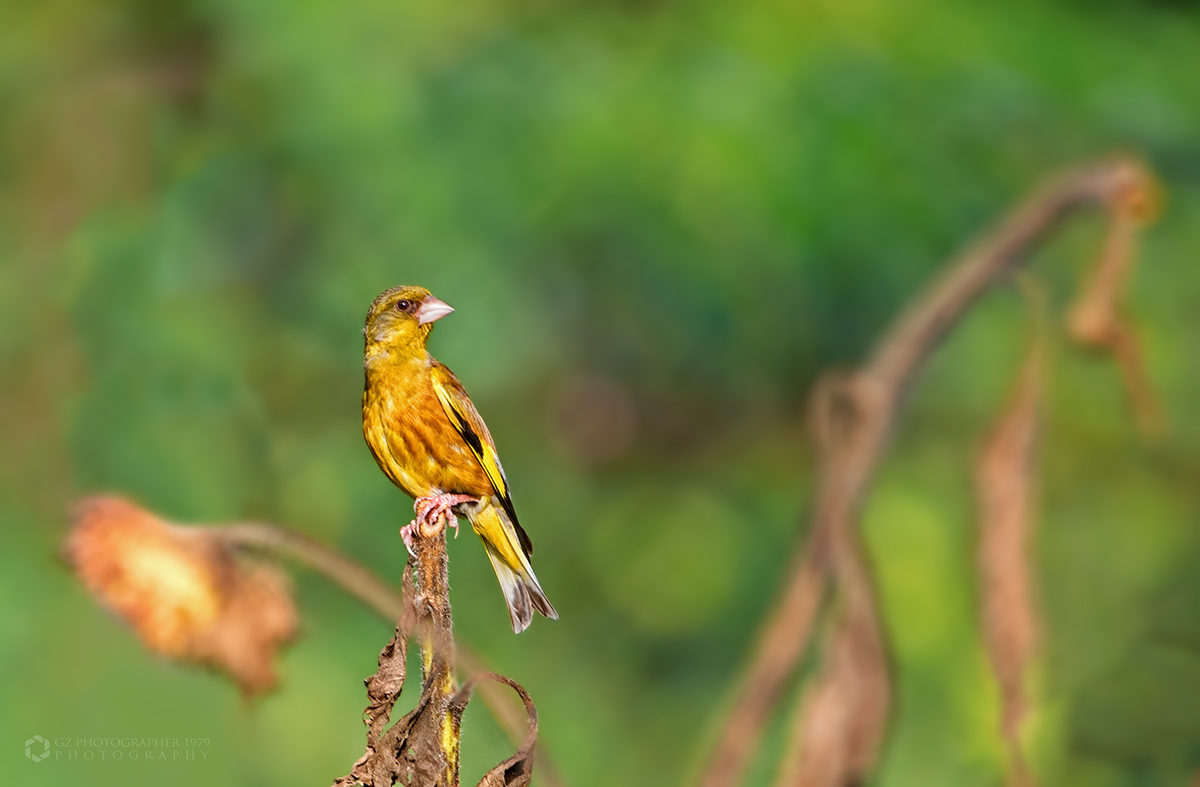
(429,440)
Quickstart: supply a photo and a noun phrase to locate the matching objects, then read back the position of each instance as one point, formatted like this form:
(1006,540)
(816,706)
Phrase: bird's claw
(436,512)
(406,533)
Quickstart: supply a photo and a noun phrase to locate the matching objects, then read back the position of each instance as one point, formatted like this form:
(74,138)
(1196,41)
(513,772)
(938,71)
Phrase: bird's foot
(436,512)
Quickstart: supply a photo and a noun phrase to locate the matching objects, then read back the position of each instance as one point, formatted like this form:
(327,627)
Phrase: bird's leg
(438,507)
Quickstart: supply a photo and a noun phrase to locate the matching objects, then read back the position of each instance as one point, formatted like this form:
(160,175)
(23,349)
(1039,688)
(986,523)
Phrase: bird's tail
(522,592)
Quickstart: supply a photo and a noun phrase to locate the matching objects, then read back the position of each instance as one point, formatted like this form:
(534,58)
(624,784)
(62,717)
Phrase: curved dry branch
(517,770)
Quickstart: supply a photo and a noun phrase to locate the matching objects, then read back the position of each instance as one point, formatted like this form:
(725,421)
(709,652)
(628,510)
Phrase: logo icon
(32,745)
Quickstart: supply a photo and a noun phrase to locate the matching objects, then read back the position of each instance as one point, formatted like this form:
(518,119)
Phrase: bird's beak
(432,309)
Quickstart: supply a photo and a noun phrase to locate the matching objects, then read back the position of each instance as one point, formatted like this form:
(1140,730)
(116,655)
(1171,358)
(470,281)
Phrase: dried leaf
(183,592)
(1004,483)
(842,714)
(1097,320)
(384,687)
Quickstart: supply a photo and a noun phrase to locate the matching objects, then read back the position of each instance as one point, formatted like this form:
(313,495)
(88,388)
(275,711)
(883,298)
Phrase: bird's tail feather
(522,592)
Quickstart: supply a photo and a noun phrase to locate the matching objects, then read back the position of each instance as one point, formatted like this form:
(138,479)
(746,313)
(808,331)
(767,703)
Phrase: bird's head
(401,318)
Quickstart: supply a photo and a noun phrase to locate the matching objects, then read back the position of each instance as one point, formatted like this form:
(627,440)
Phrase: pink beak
(431,310)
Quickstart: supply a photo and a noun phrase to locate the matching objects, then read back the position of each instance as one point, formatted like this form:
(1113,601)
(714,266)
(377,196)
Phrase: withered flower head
(183,591)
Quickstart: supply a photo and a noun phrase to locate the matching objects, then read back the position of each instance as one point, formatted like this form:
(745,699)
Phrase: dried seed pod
(182,590)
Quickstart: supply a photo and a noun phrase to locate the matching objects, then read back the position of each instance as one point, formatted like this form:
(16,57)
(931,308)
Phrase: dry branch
(853,418)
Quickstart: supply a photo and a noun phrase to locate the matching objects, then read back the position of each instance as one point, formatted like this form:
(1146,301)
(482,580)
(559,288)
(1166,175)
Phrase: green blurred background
(657,221)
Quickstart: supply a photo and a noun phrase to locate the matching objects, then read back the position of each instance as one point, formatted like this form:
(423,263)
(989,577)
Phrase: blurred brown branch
(328,562)
(852,418)
(841,716)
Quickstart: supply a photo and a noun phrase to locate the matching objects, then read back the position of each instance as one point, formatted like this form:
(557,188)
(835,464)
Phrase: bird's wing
(469,424)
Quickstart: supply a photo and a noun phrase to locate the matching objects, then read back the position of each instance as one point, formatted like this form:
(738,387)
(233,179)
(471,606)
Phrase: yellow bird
(429,439)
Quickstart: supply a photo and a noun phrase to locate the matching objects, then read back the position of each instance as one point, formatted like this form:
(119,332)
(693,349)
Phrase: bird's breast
(413,441)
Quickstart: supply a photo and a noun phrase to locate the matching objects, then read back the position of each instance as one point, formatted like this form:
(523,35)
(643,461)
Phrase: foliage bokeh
(657,222)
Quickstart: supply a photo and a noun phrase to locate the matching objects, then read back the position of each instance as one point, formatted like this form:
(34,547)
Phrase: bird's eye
(404,304)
